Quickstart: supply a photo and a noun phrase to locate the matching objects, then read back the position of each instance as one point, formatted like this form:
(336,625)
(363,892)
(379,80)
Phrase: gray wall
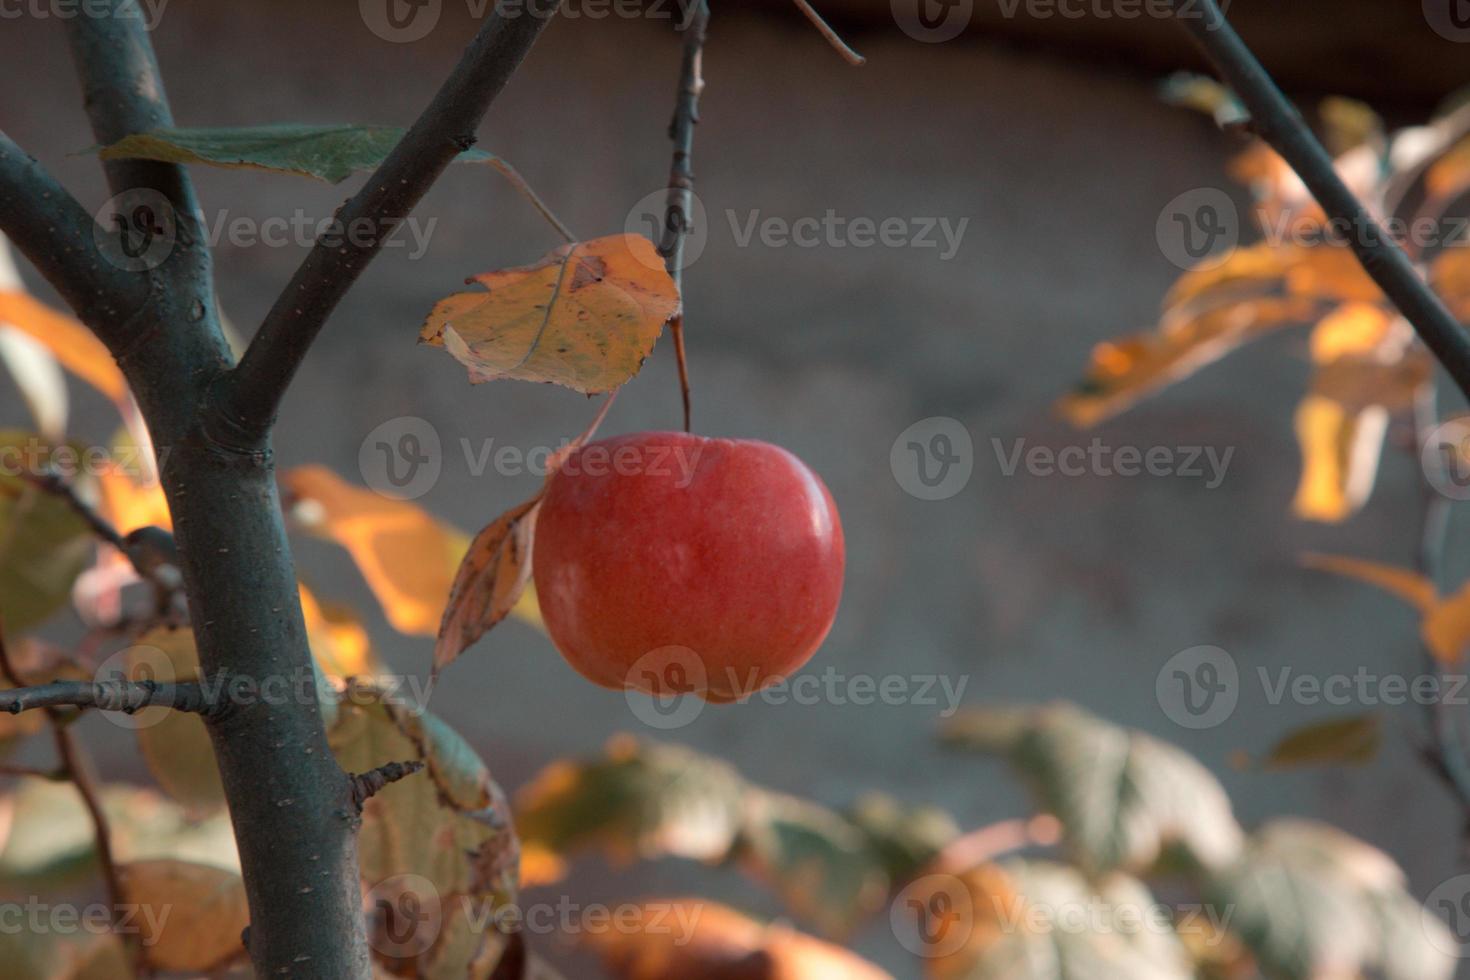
(1029,588)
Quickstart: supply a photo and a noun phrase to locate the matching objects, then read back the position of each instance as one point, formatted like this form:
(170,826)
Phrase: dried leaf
(190,915)
(1352,741)
(489,583)
(585,316)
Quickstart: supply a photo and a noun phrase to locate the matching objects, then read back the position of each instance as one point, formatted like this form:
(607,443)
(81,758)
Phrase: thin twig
(1280,125)
(53,484)
(1446,752)
(677,220)
(366,785)
(852,57)
(246,405)
(77,768)
(119,695)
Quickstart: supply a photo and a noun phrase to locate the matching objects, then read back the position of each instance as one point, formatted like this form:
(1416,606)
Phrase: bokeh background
(1047,136)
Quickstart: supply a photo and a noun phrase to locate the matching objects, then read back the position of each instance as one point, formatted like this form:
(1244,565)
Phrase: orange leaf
(489,582)
(74,345)
(1340,452)
(1444,623)
(406,556)
(496,570)
(693,937)
(585,316)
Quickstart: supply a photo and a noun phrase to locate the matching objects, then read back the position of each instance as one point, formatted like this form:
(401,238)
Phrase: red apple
(666,562)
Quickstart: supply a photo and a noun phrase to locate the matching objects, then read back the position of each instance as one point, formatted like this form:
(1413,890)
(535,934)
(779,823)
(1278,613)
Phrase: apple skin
(727,555)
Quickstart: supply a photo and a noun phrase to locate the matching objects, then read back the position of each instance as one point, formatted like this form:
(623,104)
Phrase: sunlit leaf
(1025,920)
(1310,901)
(190,916)
(1340,452)
(585,316)
(1123,797)
(51,839)
(640,800)
(1352,740)
(339,641)
(679,939)
(408,558)
(78,350)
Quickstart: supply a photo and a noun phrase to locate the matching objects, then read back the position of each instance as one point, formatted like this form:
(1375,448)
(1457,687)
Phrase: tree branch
(249,397)
(76,767)
(681,178)
(119,695)
(1281,126)
(59,238)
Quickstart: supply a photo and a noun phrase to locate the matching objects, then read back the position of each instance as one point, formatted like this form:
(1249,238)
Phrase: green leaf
(79,955)
(1035,920)
(1124,798)
(641,800)
(51,840)
(1311,901)
(175,744)
(327,152)
(822,866)
(44,545)
(905,837)
(1347,741)
(448,824)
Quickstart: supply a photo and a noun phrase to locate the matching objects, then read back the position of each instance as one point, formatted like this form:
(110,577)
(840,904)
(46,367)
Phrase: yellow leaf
(74,345)
(1340,452)
(407,557)
(1126,370)
(339,641)
(1446,629)
(585,316)
(1353,328)
(129,504)
(190,915)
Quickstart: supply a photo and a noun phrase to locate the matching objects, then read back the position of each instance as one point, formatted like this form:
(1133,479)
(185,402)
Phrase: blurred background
(1042,142)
